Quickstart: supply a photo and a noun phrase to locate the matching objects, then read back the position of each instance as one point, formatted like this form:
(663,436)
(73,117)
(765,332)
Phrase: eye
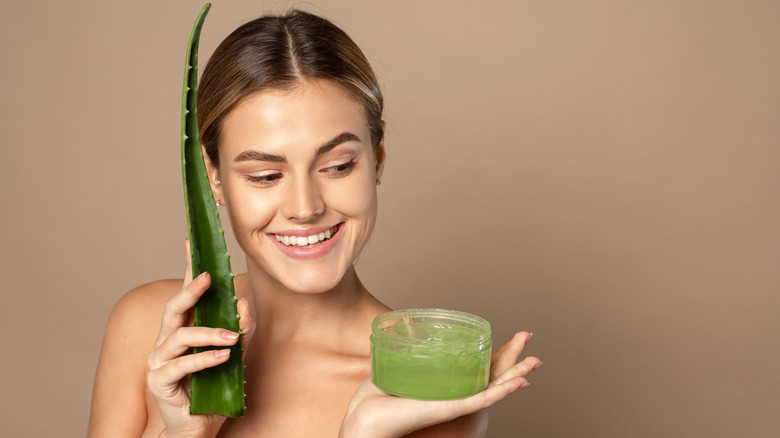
(341,169)
(264,180)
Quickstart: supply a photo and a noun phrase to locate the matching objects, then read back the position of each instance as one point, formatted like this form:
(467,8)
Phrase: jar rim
(480,326)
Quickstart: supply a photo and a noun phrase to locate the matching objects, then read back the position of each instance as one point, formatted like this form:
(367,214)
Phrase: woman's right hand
(170,365)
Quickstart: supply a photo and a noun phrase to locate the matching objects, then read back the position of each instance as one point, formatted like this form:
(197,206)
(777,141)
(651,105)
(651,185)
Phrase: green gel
(430,354)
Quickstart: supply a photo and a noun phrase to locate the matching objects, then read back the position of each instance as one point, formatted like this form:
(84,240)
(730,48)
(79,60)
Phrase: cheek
(356,199)
(248,212)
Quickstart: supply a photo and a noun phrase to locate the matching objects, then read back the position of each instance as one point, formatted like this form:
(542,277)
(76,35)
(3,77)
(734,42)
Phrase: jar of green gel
(430,354)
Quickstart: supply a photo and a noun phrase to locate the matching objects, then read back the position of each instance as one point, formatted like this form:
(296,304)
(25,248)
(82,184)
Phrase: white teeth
(306,241)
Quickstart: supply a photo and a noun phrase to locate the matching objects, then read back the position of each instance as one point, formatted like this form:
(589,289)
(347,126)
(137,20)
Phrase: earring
(217,182)
(378,182)
(218,203)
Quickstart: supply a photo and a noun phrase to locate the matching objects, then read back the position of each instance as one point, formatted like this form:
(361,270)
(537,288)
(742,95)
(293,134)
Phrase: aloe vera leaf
(217,390)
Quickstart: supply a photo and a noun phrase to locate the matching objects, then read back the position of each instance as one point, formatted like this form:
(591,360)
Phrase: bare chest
(292,393)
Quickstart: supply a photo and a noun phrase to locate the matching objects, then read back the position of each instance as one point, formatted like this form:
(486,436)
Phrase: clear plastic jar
(430,354)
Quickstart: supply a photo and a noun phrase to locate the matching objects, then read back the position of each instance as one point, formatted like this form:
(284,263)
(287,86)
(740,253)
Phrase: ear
(213,173)
(381,155)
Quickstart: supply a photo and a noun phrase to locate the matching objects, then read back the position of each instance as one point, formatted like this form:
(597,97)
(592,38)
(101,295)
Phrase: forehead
(304,116)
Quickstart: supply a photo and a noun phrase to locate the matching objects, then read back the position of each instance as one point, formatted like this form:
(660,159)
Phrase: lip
(306,231)
(307,253)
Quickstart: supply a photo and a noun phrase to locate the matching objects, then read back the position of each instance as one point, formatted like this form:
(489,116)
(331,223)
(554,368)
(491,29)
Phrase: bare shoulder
(150,293)
(137,314)
(146,300)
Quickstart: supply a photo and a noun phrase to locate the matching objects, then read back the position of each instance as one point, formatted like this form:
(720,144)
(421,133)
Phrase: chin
(313,282)
(311,289)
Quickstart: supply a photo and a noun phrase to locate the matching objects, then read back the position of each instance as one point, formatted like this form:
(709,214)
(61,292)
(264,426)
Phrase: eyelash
(268,180)
(342,169)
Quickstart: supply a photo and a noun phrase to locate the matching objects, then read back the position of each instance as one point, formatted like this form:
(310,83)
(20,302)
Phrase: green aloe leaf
(218,390)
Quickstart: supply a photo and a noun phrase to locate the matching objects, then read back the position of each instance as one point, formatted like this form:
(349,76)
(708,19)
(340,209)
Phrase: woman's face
(298,175)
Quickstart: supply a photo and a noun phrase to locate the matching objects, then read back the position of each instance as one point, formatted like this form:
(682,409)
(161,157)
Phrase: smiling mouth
(306,241)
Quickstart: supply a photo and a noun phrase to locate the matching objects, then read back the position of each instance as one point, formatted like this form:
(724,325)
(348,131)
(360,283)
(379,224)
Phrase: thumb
(246,322)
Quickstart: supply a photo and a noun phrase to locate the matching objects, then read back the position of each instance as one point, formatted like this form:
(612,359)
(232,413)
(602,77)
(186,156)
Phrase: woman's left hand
(376,414)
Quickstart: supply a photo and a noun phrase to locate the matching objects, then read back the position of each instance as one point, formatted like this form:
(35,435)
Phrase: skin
(291,161)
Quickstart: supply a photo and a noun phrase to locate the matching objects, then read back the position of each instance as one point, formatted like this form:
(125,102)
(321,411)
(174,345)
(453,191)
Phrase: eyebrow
(254,155)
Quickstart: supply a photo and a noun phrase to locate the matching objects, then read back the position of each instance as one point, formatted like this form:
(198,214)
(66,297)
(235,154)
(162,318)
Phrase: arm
(373,413)
(147,340)
(468,426)
(170,365)
(119,395)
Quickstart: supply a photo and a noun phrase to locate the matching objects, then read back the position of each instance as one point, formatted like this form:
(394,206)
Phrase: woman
(291,124)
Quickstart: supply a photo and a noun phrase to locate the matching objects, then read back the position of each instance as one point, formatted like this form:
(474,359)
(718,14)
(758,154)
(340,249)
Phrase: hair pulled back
(278,52)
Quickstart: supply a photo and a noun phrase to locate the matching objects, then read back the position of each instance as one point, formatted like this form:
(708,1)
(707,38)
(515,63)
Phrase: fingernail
(528,338)
(536,366)
(525,384)
(220,354)
(202,277)
(228,335)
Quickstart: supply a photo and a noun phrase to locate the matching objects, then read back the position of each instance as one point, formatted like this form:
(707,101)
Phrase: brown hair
(279,52)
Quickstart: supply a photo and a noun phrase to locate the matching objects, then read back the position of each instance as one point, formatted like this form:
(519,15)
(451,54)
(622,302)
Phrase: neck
(283,315)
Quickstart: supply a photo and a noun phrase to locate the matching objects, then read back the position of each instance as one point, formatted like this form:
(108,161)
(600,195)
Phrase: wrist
(165,434)
(363,428)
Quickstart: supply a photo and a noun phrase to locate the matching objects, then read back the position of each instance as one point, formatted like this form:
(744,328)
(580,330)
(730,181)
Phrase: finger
(164,381)
(493,394)
(178,307)
(520,369)
(516,338)
(506,356)
(499,391)
(451,409)
(188,269)
(185,338)
(246,323)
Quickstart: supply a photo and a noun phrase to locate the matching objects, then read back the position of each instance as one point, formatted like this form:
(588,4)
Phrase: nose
(304,202)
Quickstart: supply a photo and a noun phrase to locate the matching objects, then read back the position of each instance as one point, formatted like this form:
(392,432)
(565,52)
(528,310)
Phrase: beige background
(602,173)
